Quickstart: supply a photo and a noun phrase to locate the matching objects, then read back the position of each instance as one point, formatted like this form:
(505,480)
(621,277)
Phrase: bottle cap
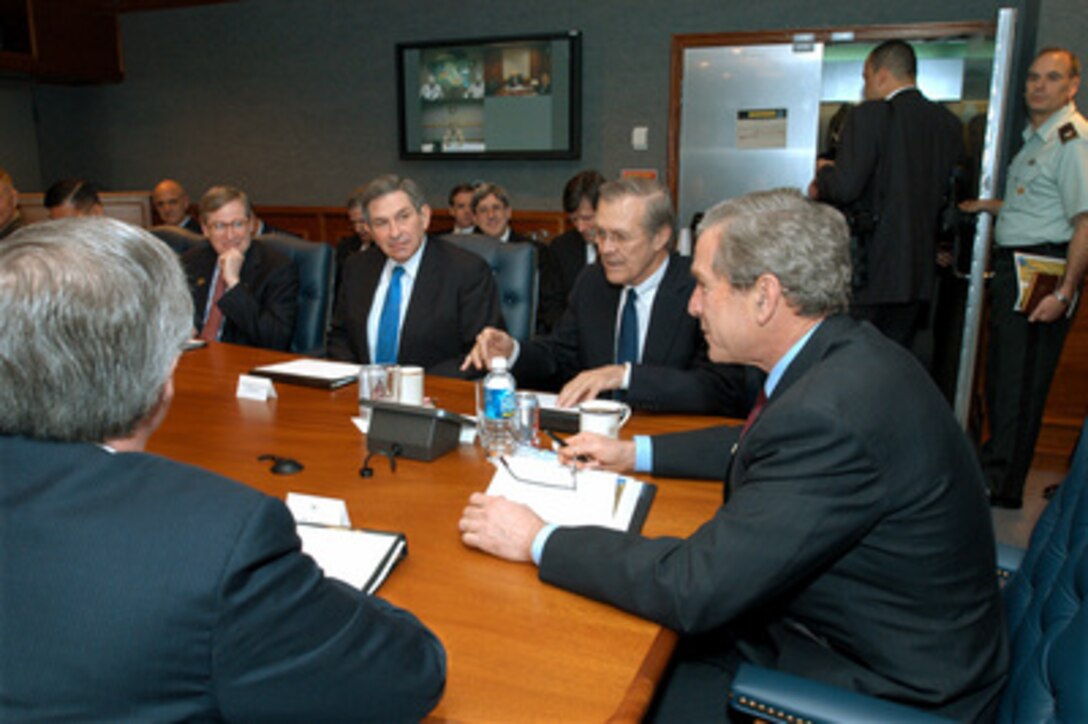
(498,363)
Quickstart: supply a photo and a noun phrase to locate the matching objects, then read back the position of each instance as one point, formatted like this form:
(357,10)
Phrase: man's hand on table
(500,527)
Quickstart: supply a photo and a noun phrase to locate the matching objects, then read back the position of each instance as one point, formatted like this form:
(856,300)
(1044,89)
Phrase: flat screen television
(491,98)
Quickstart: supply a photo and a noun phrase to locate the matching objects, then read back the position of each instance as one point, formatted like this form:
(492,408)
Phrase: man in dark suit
(460,207)
(492,210)
(359,240)
(854,545)
(171,203)
(627,327)
(134,588)
(411,298)
(243,291)
(571,251)
(890,177)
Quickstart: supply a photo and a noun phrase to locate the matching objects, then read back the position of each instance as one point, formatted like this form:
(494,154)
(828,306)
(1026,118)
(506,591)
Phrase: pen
(563,443)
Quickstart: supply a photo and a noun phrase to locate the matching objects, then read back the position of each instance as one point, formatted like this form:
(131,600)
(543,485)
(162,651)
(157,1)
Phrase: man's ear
(768,297)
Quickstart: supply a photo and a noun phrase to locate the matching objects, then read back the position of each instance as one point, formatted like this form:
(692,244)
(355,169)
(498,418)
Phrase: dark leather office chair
(1048,630)
(515,269)
(179,239)
(316,271)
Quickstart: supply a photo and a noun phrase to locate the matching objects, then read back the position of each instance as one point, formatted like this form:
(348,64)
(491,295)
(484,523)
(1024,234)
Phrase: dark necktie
(389,322)
(757,408)
(627,349)
(210,332)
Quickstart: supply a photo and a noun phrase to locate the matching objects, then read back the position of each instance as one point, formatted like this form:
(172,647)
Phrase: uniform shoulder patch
(1067,132)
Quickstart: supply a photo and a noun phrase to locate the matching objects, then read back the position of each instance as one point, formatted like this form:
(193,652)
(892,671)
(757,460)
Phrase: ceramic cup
(604,417)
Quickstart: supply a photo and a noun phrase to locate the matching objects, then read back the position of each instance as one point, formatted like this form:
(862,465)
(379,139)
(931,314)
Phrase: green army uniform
(1047,187)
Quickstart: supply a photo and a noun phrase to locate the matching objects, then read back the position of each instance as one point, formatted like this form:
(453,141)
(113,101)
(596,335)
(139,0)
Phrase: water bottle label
(499,403)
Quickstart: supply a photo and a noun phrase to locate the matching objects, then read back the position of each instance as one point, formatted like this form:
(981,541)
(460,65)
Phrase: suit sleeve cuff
(513,355)
(644,454)
(626,384)
(540,540)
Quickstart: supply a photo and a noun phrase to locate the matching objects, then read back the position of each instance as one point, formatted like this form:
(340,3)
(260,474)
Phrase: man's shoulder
(151,474)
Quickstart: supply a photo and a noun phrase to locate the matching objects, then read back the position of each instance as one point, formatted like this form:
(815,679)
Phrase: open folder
(562,495)
(362,558)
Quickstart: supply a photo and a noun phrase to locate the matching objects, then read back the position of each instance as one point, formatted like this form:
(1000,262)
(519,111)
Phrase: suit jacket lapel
(423,289)
(662,330)
(597,328)
(372,273)
(814,350)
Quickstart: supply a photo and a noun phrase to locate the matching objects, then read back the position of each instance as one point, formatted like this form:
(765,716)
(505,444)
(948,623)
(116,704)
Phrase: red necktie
(757,408)
(210,332)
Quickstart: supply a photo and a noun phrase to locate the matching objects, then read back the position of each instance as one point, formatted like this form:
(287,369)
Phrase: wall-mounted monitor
(491,98)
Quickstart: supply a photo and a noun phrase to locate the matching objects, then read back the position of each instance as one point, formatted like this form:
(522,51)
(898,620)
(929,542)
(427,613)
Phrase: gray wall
(295,101)
(19,134)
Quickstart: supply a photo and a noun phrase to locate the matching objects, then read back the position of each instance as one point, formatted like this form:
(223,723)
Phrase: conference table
(518,649)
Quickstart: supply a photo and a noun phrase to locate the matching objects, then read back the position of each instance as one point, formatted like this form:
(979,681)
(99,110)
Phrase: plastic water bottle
(498,434)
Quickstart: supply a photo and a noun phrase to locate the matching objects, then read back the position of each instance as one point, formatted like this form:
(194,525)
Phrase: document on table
(310,372)
(561,495)
(361,558)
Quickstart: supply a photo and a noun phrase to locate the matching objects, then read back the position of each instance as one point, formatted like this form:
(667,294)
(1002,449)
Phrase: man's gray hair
(484,190)
(658,211)
(388,184)
(95,312)
(805,244)
(217,197)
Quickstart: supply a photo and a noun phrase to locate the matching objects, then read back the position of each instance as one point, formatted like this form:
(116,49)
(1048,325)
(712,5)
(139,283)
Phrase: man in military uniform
(1045,212)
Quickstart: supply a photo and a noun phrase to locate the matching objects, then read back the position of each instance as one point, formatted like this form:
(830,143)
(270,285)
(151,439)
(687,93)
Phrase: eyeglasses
(543,483)
(220,226)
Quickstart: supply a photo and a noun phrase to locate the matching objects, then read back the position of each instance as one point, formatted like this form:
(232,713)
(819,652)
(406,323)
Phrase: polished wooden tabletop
(518,649)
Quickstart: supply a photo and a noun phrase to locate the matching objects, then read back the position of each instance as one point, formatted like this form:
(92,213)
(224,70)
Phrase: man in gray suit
(854,545)
(134,588)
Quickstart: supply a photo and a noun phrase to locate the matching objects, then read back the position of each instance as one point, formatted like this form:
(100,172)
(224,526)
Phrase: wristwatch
(1061,297)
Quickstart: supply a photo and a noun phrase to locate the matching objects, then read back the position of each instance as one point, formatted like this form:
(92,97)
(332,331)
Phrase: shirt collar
(411,267)
(652,282)
(780,367)
(899,90)
(1050,126)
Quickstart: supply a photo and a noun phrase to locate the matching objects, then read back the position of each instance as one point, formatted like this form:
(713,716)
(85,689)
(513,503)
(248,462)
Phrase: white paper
(550,400)
(255,388)
(588,497)
(353,556)
(318,509)
(317,369)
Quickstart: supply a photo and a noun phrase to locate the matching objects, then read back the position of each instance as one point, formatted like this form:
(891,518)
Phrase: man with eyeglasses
(627,331)
(244,291)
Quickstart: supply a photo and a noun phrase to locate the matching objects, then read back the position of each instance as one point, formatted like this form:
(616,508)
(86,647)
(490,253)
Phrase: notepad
(361,558)
(561,495)
(1037,277)
(310,372)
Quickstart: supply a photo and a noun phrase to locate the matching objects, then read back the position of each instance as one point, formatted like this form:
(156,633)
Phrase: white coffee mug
(604,417)
(409,384)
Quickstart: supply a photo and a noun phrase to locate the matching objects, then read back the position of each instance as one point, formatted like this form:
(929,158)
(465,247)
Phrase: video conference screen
(491,98)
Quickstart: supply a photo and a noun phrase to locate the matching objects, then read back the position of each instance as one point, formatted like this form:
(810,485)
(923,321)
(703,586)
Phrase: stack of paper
(561,495)
(362,558)
(310,372)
